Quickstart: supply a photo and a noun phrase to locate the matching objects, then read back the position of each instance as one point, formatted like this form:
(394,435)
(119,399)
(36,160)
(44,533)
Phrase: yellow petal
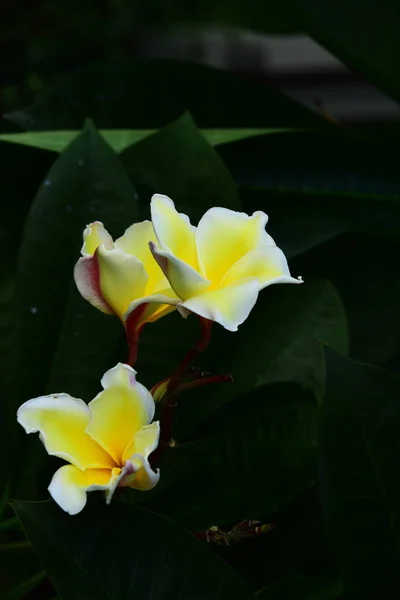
(145,478)
(61,422)
(267,263)
(184,279)
(87,279)
(173,230)
(135,241)
(119,411)
(157,305)
(224,236)
(93,236)
(229,306)
(69,486)
(122,279)
(145,441)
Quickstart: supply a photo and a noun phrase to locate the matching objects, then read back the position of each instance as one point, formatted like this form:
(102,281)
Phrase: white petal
(229,306)
(69,486)
(224,236)
(184,279)
(267,263)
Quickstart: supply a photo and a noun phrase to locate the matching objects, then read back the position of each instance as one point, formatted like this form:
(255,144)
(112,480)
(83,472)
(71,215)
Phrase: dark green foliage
(302,426)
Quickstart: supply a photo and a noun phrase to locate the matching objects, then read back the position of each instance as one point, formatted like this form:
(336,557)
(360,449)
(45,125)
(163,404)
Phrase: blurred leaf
(344,29)
(362,270)
(20,571)
(179,162)
(150,93)
(328,184)
(359,477)
(275,18)
(303,588)
(280,341)
(347,30)
(90,556)
(119,139)
(258,456)
(23,588)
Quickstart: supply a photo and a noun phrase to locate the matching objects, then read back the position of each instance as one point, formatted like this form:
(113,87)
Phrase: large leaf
(359,476)
(86,183)
(280,341)
(346,30)
(21,171)
(179,162)
(150,93)
(362,270)
(340,184)
(122,552)
(275,18)
(119,139)
(257,456)
(303,588)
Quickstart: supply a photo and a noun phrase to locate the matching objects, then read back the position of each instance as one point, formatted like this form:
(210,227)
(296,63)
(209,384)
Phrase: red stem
(200,346)
(205,381)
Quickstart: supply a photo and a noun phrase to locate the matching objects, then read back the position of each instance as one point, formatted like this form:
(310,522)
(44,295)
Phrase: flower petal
(145,478)
(122,278)
(184,279)
(267,263)
(61,422)
(145,441)
(93,236)
(229,306)
(69,486)
(223,236)
(157,305)
(135,241)
(87,279)
(173,230)
(119,411)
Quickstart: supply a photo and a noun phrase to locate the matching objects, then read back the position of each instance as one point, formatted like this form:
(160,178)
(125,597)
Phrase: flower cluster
(215,270)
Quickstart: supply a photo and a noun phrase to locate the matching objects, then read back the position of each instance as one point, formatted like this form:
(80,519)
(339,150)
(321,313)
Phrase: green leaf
(361,268)
(119,139)
(59,338)
(21,172)
(89,343)
(340,184)
(86,183)
(276,18)
(346,31)
(122,552)
(359,476)
(177,161)
(280,341)
(303,588)
(257,456)
(150,93)
(20,571)
(25,587)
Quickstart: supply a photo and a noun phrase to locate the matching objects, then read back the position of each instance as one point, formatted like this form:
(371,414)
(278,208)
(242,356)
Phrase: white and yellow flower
(107,443)
(218,268)
(122,277)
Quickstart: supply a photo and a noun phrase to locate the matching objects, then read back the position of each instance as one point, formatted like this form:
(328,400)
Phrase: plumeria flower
(106,443)
(219,267)
(121,277)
